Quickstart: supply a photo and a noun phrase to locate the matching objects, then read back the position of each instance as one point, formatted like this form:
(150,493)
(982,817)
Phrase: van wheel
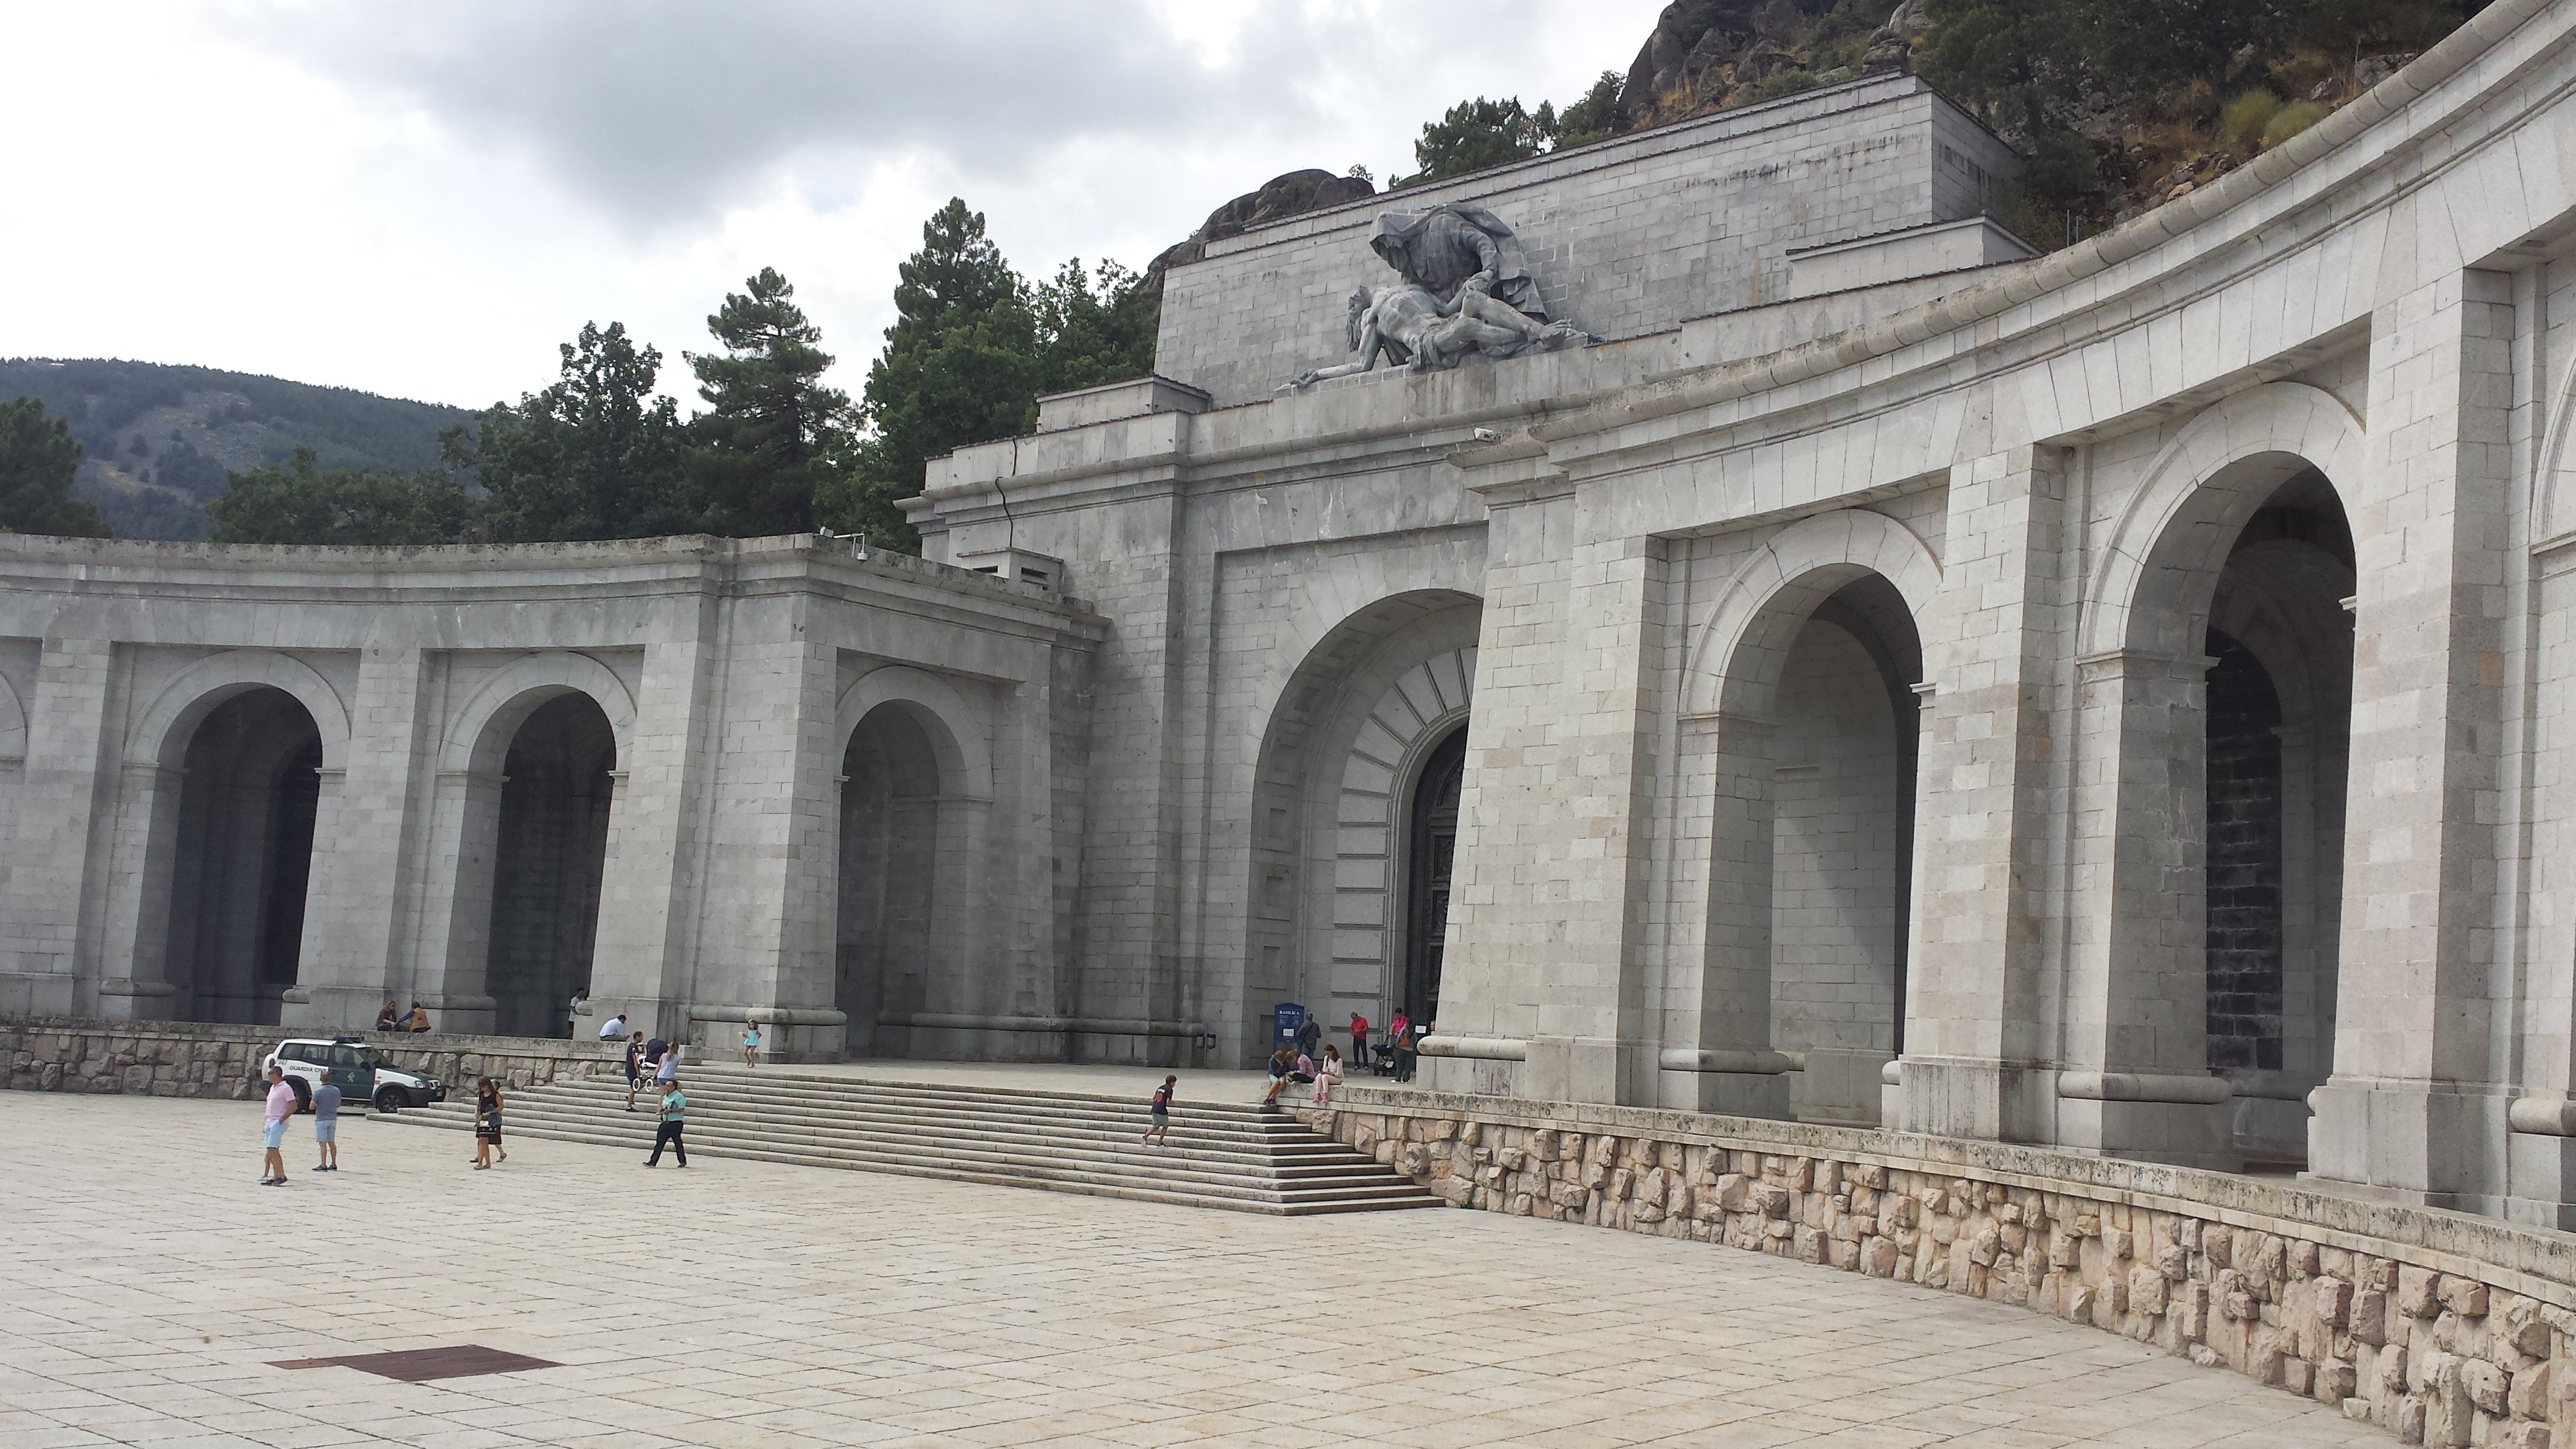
(389,1101)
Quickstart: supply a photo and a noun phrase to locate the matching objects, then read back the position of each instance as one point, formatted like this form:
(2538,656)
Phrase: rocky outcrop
(1278,199)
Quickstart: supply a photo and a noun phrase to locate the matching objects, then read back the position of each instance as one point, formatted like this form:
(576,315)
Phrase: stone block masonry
(201,1059)
(2441,1328)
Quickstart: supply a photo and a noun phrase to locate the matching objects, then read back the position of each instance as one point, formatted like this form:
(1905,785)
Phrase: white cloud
(423,198)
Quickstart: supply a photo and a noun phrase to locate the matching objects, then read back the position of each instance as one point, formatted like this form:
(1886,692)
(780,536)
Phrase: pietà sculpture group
(1464,291)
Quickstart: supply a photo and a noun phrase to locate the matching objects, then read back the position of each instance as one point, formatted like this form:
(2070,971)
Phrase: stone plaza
(739,1304)
(2049,777)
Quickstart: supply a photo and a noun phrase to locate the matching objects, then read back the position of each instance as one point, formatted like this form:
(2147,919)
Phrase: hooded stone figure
(1442,249)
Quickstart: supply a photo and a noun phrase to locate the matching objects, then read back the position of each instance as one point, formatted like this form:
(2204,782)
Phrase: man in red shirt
(1359,1041)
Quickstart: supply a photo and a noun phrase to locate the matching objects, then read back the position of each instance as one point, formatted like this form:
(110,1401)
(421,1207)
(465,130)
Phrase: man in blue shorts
(326,1122)
(272,1132)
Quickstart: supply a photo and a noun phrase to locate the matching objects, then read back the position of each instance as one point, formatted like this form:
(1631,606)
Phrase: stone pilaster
(367,835)
(2410,1106)
(1976,1037)
(53,892)
(643,962)
(1549,886)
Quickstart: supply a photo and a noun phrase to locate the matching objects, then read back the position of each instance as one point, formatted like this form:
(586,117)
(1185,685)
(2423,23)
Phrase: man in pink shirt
(281,1105)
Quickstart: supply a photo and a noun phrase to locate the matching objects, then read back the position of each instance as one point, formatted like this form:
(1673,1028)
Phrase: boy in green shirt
(674,1107)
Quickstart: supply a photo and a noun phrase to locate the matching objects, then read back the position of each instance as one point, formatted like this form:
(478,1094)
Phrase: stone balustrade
(202,1059)
(2441,1327)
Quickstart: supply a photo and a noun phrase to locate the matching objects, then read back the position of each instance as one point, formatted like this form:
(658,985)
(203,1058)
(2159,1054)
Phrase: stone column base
(2186,1134)
(1730,1094)
(344,1009)
(1973,1097)
(1575,1069)
(2440,1144)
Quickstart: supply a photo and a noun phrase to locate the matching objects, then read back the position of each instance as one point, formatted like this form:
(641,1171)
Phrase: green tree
(1593,118)
(2158,46)
(596,455)
(2008,60)
(1095,329)
(37,460)
(759,451)
(300,503)
(960,366)
(1480,133)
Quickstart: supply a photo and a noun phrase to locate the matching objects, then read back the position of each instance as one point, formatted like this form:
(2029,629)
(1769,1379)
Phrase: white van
(357,1070)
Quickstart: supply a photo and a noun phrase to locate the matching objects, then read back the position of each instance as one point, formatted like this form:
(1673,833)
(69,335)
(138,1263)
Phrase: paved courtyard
(146,1283)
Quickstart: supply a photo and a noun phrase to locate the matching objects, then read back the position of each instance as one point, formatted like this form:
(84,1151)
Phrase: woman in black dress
(487,1122)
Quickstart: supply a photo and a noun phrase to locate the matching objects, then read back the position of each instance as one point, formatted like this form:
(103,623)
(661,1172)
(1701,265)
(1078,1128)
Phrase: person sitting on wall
(389,1019)
(419,1018)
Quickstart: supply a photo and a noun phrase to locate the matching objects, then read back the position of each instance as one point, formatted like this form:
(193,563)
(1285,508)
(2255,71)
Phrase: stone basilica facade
(1773,646)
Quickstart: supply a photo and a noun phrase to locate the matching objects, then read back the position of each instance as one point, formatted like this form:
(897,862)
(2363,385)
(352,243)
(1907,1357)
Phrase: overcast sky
(422,197)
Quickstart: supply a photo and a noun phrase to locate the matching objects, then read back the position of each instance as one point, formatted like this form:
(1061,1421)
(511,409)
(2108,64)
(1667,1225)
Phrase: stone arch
(954,726)
(2184,517)
(1852,593)
(1761,608)
(1348,729)
(2553,489)
(2215,665)
(479,735)
(160,735)
(13,725)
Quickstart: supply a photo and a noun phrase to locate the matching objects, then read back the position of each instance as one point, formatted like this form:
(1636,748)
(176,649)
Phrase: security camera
(1486,435)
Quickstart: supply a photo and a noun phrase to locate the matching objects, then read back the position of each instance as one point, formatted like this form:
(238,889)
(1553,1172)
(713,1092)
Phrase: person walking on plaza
(280,1106)
(634,1068)
(487,1121)
(751,1043)
(1405,1048)
(1310,1036)
(1158,1133)
(1328,1075)
(326,1123)
(675,1108)
(573,1013)
(1359,1041)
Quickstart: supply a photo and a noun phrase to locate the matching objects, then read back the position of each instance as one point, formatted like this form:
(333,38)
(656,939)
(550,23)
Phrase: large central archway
(1355,816)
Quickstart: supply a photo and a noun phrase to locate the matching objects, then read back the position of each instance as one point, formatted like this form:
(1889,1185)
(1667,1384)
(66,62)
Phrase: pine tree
(37,462)
(759,452)
(960,366)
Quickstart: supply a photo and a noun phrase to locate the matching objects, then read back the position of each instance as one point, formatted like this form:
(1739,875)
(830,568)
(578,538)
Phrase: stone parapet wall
(2443,1328)
(205,1059)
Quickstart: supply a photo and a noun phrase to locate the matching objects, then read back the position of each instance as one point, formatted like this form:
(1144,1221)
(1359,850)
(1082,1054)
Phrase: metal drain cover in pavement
(414,1365)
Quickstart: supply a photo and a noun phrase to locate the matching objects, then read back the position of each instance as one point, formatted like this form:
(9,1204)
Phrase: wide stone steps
(1229,1155)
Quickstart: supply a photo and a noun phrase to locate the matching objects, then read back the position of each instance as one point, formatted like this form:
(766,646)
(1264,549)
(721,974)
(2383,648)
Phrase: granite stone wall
(2443,1329)
(200,1059)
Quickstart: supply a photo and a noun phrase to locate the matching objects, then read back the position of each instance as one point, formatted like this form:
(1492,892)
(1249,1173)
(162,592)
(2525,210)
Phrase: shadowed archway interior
(555,800)
(889,875)
(244,859)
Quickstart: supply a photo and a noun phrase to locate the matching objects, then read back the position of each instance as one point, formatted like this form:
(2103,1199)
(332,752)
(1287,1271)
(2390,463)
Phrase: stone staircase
(1221,1154)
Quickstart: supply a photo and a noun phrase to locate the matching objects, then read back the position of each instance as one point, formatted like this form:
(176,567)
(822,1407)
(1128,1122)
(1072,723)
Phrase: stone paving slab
(149,1284)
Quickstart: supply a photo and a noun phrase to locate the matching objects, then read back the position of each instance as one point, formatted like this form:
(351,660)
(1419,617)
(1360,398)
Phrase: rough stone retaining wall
(202,1059)
(2443,1328)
